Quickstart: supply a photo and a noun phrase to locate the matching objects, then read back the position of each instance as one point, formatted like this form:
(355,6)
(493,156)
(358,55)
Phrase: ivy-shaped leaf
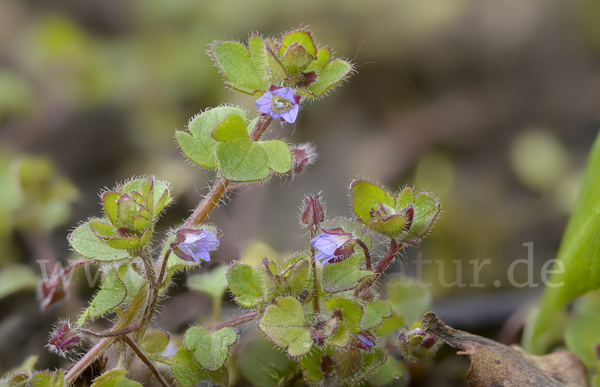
(112,293)
(375,312)
(245,69)
(88,245)
(242,159)
(287,327)
(345,275)
(262,364)
(48,379)
(210,349)
(198,145)
(115,378)
(189,373)
(311,364)
(352,311)
(155,341)
(247,284)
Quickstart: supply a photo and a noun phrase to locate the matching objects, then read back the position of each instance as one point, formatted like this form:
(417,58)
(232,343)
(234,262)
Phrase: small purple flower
(279,103)
(64,339)
(334,245)
(193,245)
(366,340)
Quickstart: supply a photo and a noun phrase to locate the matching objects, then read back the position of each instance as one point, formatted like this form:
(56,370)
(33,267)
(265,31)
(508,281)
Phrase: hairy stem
(88,359)
(367,253)
(235,321)
(381,266)
(146,361)
(315,290)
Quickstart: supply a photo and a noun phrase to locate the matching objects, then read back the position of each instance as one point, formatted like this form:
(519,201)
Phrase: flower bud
(313,213)
(303,155)
(51,292)
(64,339)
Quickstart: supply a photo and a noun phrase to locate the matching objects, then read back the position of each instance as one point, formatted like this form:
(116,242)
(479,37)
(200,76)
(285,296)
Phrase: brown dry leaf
(497,365)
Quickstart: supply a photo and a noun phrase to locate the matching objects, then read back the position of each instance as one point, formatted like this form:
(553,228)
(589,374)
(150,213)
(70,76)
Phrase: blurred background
(491,104)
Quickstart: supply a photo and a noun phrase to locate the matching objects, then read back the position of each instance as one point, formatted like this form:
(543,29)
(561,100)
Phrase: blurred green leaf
(115,378)
(48,379)
(15,278)
(112,293)
(247,284)
(299,277)
(155,341)
(347,362)
(286,325)
(262,364)
(311,364)
(189,373)
(327,78)
(581,332)
(391,374)
(214,283)
(407,298)
(210,349)
(579,254)
(88,245)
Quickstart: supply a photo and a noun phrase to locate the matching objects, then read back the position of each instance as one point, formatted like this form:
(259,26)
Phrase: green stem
(315,291)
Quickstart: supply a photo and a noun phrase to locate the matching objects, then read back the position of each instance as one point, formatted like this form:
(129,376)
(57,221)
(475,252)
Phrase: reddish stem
(367,253)
(235,321)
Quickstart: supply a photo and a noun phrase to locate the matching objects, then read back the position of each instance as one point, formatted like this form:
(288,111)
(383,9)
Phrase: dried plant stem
(235,321)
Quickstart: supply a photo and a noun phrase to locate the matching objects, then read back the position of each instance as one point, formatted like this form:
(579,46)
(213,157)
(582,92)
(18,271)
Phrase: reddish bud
(51,292)
(313,213)
(428,341)
(318,337)
(302,156)
(64,339)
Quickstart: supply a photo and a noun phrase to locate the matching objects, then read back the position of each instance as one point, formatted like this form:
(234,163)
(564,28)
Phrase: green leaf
(352,311)
(391,226)
(241,159)
(296,59)
(408,299)
(327,78)
(108,234)
(287,327)
(198,145)
(340,333)
(366,196)
(262,365)
(189,373)
(303,38)
(48,379)
(311,365)
(111,294)
(581,332)
(345,275)
(390,325)
(244,69)
(426,208)
(247,284)
(579,255)
(299,277)
(88,245)
(371,360)
(15,278)
(155,341)
(210,349)
(391,374)
(277,73)
(157,192)
(374,314)
(214,283)
(110,203)
(348,361)
(115,378)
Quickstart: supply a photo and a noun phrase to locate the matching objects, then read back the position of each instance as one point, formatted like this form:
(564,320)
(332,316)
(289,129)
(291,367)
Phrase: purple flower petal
(263,104)
(290,115)
(196,245)
(287,93)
